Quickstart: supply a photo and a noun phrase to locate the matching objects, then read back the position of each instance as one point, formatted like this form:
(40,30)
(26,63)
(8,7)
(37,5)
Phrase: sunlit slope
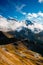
(7,35)
(19,55)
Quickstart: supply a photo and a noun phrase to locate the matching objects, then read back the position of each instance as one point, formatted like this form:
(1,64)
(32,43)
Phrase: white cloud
(40,14)
(32,15)
(36,26)
(35,16)
(10,17)
(24,13)
(40,1)
(9,25)
(3,23)
(19,9)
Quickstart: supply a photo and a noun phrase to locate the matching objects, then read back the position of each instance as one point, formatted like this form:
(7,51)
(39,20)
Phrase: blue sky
(22,9)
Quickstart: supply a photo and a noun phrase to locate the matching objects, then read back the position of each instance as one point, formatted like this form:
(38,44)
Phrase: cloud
(40,1)
(35,16)
(12,25)
(19,9)
(9,24)
(40,14)
(4,24)
(36,28)
(31,15)
(24,13)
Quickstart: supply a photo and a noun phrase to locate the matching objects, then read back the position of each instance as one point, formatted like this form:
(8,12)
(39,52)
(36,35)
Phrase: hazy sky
(22,9)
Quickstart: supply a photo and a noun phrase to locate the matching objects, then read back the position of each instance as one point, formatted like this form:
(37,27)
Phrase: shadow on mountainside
(37,47)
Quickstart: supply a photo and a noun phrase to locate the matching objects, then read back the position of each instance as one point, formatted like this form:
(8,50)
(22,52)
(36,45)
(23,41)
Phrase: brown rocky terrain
(18,54)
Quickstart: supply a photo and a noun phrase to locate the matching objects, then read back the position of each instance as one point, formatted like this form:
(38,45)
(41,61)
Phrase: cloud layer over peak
(9,24)
(12,25)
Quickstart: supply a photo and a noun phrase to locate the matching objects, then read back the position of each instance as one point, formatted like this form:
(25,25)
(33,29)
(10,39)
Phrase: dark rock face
(5,40)
(28,22)
(31,40)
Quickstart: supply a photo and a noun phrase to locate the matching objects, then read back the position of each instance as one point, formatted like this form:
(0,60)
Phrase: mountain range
(26,31)
(11,24)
